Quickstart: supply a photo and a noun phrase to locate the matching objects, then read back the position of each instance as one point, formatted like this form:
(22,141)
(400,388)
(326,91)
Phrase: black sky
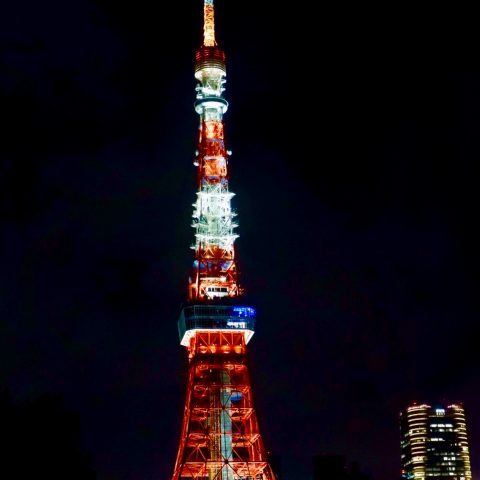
(354,132)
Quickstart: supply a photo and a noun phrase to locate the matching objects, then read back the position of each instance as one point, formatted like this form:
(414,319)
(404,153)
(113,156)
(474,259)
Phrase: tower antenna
(208,24)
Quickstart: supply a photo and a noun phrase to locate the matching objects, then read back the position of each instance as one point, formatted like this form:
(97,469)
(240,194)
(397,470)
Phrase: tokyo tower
(220,437)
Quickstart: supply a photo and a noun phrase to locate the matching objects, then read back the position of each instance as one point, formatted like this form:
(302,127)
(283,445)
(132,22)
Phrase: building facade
(434,444)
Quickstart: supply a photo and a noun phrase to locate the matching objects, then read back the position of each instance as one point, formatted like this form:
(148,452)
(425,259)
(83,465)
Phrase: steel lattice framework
(220,437)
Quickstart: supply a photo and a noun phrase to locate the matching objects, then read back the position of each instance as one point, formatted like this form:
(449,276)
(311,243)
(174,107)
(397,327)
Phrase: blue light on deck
(247,312)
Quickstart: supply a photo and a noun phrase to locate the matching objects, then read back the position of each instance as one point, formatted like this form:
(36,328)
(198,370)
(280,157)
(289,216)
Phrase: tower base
(220,437)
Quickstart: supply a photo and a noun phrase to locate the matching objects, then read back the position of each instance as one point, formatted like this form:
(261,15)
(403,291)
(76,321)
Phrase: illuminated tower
(220,437)
(434,443)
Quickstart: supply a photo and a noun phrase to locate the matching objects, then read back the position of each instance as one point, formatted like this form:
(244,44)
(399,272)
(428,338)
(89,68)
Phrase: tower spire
(209,24)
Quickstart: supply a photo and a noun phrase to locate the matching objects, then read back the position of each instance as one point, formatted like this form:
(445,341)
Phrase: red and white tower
(220,437)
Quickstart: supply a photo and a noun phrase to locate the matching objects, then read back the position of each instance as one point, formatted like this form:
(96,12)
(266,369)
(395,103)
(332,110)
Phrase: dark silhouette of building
(356,474)
(329,466)
(39,438)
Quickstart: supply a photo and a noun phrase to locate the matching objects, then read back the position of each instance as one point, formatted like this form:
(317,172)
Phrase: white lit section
(211,80)
(211,107)
(213,218)
(213,201)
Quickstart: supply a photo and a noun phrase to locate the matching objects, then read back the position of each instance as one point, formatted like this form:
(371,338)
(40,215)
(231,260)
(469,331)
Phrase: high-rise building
(434,443)
(220,437)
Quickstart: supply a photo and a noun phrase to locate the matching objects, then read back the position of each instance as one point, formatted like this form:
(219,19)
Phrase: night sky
(355,133)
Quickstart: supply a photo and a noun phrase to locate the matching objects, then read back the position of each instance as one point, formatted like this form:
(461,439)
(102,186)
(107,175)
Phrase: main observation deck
(194,318)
